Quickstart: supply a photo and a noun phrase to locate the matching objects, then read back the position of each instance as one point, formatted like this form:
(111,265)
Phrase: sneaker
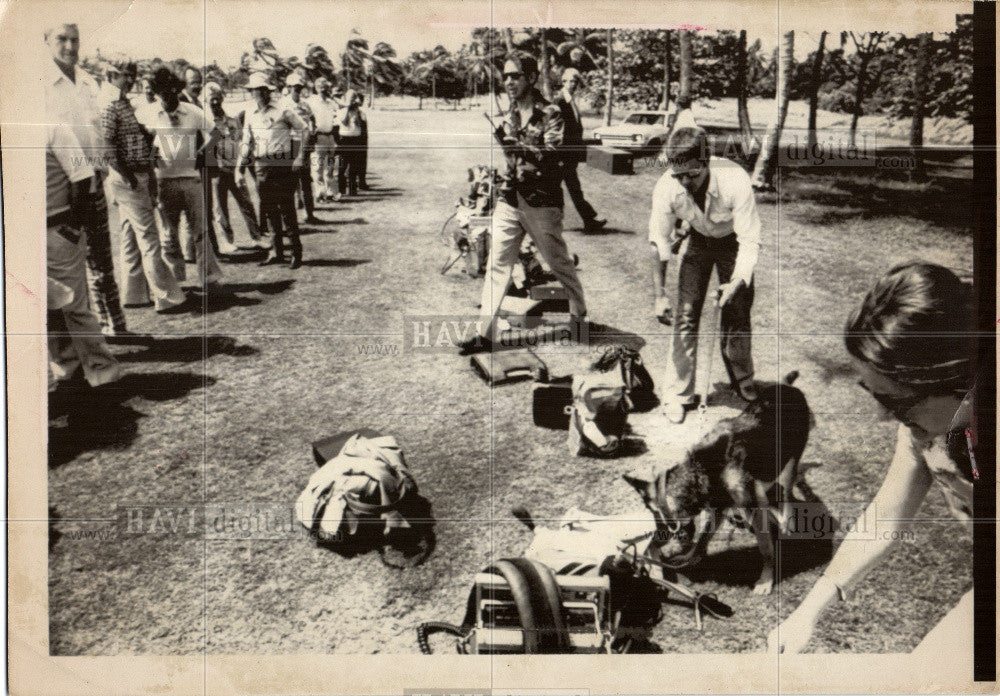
(675,411)
(476,344)
(185,306)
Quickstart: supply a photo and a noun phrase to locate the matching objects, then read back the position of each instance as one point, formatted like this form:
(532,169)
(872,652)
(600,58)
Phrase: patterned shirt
(123,134)
(533,164)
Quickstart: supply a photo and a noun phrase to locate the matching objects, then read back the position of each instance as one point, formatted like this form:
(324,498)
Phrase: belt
(57,219)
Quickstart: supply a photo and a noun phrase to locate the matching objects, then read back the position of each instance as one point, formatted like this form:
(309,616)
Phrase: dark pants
(304,180)
(225,184)
(363,162)
(703,254)
(103,290)
(572,181)
(349,169)
(206,191)
(277,201)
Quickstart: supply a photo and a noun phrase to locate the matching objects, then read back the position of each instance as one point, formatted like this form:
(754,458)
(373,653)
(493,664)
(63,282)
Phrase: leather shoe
(594,225)
(295,263)
(674,411)
(476,344)
(185,306)
(273,261)
(128,338)
(312,220)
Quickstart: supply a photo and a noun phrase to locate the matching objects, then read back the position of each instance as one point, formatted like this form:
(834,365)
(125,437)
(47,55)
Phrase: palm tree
(539,41)
(611,80)
(763,173)
(439,65)
(318,62)
(816,78)
(685,86)
(580,48)
(921,70)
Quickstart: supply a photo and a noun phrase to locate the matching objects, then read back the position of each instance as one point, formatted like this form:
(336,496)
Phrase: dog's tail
(791,377)
(522,514)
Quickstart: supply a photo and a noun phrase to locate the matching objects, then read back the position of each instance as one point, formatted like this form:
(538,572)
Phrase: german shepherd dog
(745,467)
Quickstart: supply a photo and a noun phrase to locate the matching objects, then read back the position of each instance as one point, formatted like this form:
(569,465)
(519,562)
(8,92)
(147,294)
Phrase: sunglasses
(897,405)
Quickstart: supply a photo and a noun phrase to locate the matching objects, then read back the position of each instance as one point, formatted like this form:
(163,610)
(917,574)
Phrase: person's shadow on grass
(99,418)
(335,263)
(187,349)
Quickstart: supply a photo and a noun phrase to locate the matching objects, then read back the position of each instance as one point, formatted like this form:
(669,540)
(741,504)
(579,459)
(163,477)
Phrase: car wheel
(653,147)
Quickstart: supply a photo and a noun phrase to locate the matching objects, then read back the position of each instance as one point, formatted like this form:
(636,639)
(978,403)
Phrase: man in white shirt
(324,108)
(75,340)
(713,196)
(176,126)
(302,141)
(267,143)
(72,98)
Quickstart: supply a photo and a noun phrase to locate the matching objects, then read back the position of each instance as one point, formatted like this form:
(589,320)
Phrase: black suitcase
(550,402)
(502,367)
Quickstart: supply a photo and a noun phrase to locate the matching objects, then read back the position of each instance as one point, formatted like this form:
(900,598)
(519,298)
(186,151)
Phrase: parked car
(641,131)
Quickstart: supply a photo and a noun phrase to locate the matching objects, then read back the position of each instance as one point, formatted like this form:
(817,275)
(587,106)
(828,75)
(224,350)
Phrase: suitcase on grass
(550,402)
(503,367)
(610,159)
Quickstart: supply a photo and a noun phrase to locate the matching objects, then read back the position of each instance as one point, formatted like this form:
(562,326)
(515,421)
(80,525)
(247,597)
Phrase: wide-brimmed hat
(294,79)
(257,80)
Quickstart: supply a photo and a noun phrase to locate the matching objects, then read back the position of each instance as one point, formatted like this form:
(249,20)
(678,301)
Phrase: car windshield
(645,119)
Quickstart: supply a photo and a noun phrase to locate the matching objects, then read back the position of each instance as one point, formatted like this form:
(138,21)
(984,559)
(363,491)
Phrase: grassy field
(223,407)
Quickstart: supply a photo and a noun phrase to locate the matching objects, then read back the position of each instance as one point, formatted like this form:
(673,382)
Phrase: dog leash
(703,402)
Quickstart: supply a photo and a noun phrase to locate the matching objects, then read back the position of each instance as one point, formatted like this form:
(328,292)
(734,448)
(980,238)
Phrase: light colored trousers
(141,259)
(186,195)
(544,226)
(324,171)
(74,334)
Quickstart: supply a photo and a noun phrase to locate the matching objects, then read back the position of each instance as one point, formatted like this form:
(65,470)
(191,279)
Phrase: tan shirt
(267,134)
(65,164)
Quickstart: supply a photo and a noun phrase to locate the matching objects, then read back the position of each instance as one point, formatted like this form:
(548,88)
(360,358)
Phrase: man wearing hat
(324,108)
(128,185)
(714,197)
(177,127)
(302,142)
(267,143)
(573,150)
(221,155)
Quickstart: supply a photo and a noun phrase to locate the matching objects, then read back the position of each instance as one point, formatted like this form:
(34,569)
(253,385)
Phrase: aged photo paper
(318,383)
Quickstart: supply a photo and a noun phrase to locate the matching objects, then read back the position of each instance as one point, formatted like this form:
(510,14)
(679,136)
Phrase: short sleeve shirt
(176,139)
(65,163)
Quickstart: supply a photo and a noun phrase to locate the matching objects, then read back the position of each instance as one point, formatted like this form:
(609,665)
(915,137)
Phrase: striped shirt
(125,136)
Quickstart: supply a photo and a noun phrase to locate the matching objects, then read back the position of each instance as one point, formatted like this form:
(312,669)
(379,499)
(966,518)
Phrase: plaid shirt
(533,164)
(125,136)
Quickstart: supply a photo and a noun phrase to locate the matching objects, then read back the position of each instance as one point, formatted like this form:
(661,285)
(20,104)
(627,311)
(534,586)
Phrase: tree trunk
(921,67)
(544,65)
(763,173)
(859,98)
(817,75)
(611,80)
(685,88)
(665,102)
(508,39)
(742,95)
(434,89)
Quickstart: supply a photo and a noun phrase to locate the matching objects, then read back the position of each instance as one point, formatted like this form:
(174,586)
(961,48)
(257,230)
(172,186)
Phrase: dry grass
(245,388)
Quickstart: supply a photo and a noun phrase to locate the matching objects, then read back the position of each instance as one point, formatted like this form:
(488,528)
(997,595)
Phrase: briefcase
(550,402)
(503,367)
(610,160)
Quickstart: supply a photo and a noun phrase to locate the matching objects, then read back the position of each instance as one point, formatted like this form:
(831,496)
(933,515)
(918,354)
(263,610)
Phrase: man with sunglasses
(712,196)
(531,200)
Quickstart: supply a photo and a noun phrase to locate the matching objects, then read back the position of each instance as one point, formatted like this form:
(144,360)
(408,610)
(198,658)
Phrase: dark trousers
(572,181)
(206,192)
(349,169)
(101,285)
(277,201)
(304,180)
(703,254)
(363,162)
